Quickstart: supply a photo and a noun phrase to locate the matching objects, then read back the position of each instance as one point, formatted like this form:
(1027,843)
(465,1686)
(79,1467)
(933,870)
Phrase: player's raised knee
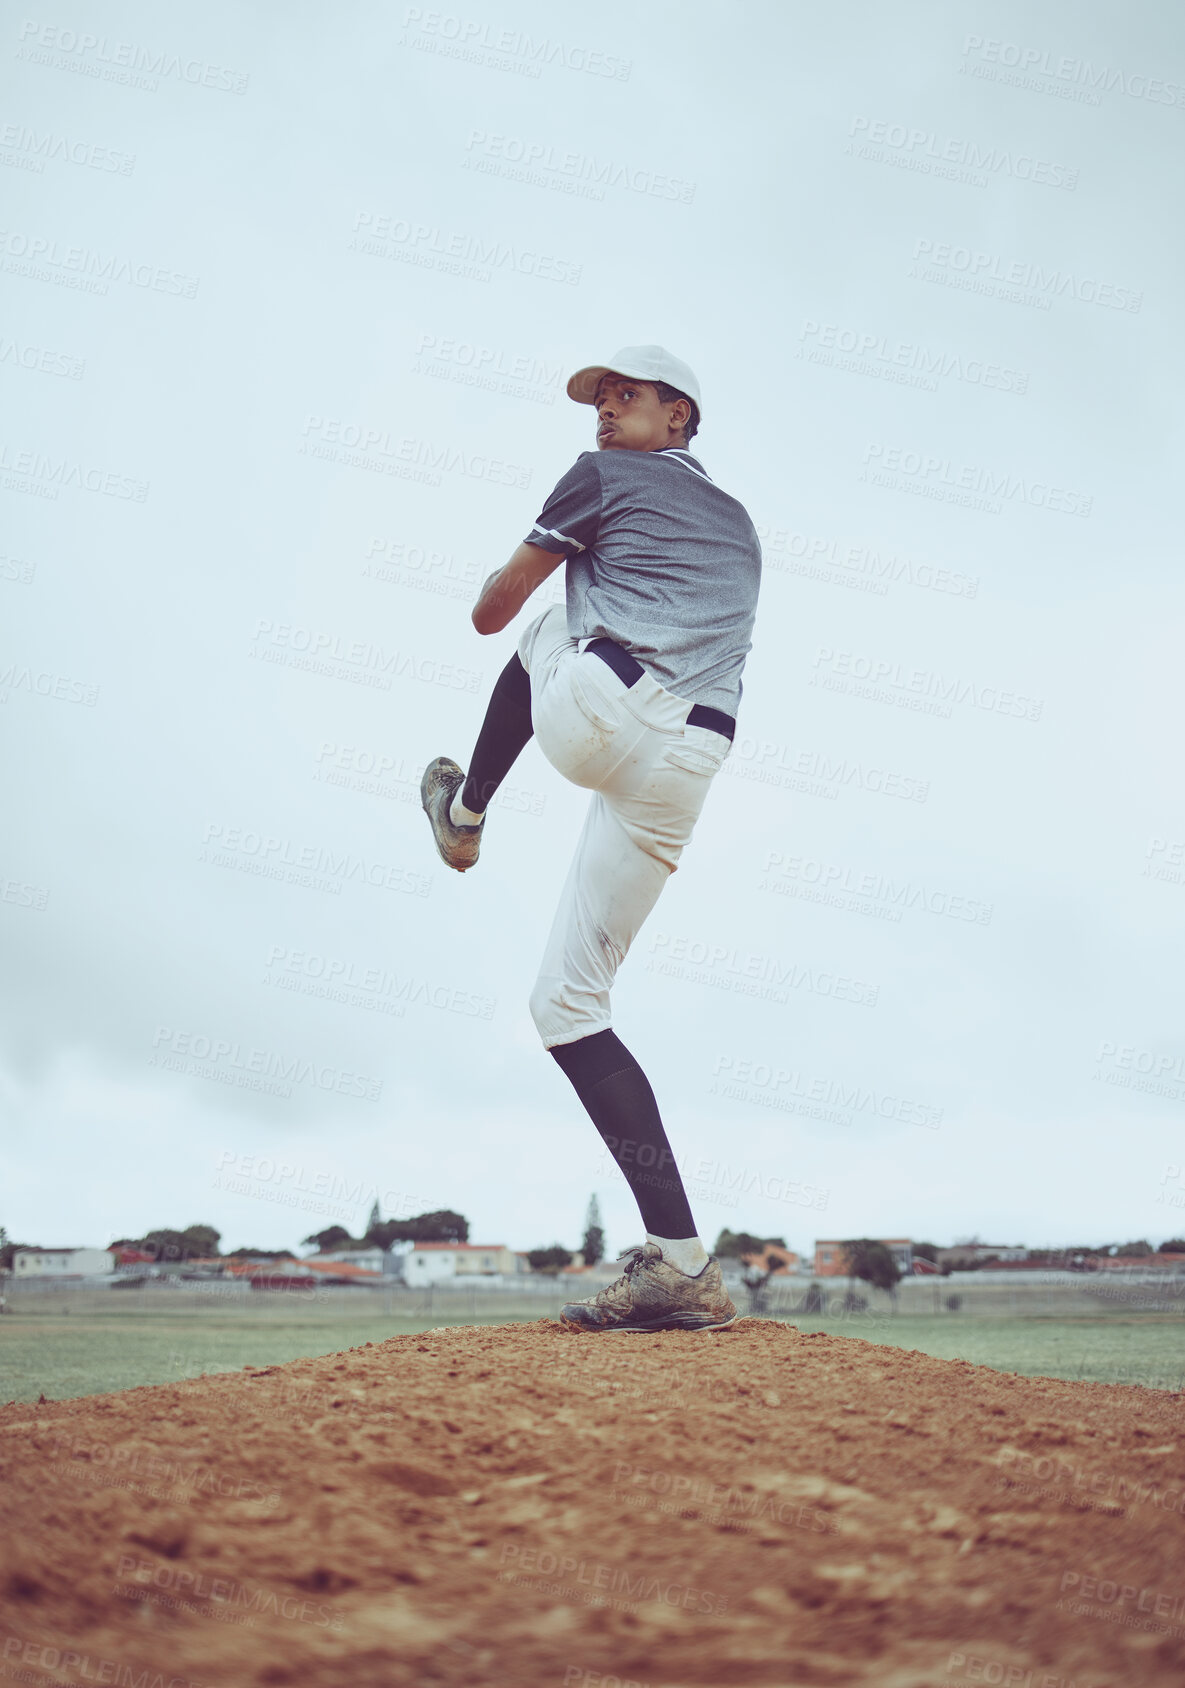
(544,1005)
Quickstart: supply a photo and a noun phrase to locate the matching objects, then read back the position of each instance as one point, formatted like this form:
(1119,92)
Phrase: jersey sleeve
(571,517)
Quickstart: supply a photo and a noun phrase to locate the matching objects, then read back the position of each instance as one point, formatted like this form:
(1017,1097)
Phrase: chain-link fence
(487,1300)
(1059,1295)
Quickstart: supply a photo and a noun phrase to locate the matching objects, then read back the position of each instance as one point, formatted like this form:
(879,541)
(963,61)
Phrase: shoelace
(633,1257)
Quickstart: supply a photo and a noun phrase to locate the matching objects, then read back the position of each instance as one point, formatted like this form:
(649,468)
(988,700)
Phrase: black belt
(630,670)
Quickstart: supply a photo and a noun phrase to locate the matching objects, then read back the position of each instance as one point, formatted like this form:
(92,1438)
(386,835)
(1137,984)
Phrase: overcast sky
(290,297)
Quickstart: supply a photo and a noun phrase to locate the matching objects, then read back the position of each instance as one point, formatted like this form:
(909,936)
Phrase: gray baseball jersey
(661,560)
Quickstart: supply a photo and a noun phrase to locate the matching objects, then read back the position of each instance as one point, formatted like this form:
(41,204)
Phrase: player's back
(673,572)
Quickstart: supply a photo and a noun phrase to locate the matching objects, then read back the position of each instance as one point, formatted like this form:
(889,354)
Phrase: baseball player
(631,689)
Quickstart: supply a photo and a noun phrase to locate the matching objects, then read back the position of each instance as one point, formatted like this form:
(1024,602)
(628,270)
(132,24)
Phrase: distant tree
(202,1240)
(383,1234)
(548,1259)
(870,1260)
(169,1246)
(926,1251)
(1175,1245)
(333,1237)
(7,1250)
(441,1226)
(730,1245)
(1132,1251)
(164,1245)
(376,1217)
(593,1246)
(257,1254)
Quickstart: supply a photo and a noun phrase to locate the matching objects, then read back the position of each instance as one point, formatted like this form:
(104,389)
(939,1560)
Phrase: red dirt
(520,1505)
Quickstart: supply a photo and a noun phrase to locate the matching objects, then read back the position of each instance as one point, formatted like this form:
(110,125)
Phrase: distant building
(126,1255)
(432,1263)
(1157,1262)
(284,1272)
(338,1271)
(963,1255)
(370,1259)
(388,1262)
(831,1262)
(61,1262)
(774,1259)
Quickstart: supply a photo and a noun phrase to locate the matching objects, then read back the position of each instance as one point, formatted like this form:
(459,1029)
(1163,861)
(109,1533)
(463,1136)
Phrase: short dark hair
(668,395)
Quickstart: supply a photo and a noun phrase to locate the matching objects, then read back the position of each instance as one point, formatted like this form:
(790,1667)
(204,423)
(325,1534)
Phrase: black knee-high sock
(621,1104)
(504,732)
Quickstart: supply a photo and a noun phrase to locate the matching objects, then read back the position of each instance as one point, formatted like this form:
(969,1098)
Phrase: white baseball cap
(644,363)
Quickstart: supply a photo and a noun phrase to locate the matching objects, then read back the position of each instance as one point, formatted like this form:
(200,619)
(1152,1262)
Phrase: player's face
(631,418)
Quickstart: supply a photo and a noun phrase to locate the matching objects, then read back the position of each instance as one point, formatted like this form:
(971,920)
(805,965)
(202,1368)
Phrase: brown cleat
(651,1295)
(458,845)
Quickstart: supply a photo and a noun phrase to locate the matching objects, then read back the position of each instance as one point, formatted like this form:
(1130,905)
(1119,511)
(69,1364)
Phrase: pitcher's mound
(519,1505)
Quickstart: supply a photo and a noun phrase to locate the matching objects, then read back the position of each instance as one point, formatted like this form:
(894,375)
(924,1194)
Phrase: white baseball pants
(649,773)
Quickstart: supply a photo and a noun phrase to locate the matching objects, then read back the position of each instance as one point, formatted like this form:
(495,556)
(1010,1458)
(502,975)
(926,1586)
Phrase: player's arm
(507,589)
(571,517)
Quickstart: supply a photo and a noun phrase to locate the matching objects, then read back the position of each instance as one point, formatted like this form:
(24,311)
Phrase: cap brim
(583,385)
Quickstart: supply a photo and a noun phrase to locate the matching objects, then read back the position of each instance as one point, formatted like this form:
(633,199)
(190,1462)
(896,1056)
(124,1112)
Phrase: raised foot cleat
(458,845)
(652,1295)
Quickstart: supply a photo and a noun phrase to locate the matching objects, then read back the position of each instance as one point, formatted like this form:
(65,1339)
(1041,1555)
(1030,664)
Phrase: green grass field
(1146,1349)
(63,1352)
(61,1355)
